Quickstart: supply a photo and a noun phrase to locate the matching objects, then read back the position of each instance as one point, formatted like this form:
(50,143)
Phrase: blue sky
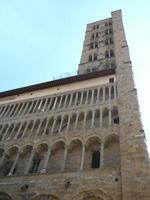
(42,39)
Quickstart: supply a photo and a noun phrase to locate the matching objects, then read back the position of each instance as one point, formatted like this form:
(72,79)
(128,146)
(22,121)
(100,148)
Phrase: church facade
(80,137)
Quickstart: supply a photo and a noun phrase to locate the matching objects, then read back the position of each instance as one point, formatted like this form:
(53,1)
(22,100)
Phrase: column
(46,126)
(16,136)
(98,95)
(35,106)
(93,118)
(47,157)
(54,122)
(76,121)
(66,97)
(76,99)
(50,104)
(60,126)
(6,131)
(92,97)
(87,96)
(13,129)
(31,107)
(82,93)
(84,121)
(65,158)
(102,155)
(115,91)
(25,129)
(109,116)
(39,127)
(54,103)
(4,110)
(16,109)
(59,106)
(26,107)
(82,157)
(22,106)
(103,93)
(30,161)
(8,110)
(109,98)
(70,102)
(44,107)
(32,128)
(14,164)
(68,123)
(101,117)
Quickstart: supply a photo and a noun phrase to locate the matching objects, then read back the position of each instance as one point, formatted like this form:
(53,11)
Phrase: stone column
(68,123)
(39,127)
(46,126)
(30,161)
(30,108)
(32,128)
(115,91)
(19,113)
(60,126)
(16,109)
(65,158)
(101,117)
(98,95)
(4,110)
(103,93)
(70,102)
(82,157)
(13,129)
(8,110)
(36,106)
(76,121)
(47,157)
(59,106)
(93,118)
(65,101)
(19,129)
(87,96)
(14,164)
(53,126)
(54,105)
(27,104)
(6,131)
(109,116)
(12,110)
(84,121)
(92,97)
(44,106)
(82,93)
(76,99)
(109,98)
(25,129)
(102,155)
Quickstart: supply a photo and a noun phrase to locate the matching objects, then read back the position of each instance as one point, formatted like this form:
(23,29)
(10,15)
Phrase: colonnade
(66,100)
(59,123)
(76,155)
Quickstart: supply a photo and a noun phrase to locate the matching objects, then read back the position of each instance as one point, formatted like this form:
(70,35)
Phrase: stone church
(78,137)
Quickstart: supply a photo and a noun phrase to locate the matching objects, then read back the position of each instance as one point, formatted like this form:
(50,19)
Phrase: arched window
(90,58)
(35,164)
(95,56)
(112,53)
(96,159)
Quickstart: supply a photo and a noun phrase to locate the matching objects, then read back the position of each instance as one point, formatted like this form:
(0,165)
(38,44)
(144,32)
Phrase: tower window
(90,58)
(93,27)
(97,35)
(112,53)
(96,44)
(95,159)
(111,80)
(111,41)
(97,26)
(116,120)
(106,42)
(92,36)
(110,23)
(106,54)
(91,46)
(95,56)
(106,32)
(110,31)
(106,24)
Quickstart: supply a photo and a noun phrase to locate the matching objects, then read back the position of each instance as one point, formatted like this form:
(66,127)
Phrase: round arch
(5,196)
(92,195)
(44,197)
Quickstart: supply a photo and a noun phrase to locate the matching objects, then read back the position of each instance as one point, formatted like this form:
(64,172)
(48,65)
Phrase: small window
(95,56)
(110,31)
(116,120)
(93,27)
(106,24)
(106,54)
(112,53)
(90,58)
(91,46)
(92,36)
(97,35)
(111,80)
(97,26)
(110,23)
(96,45)
(106,32)
(96,159)
(111,41)
(106,42)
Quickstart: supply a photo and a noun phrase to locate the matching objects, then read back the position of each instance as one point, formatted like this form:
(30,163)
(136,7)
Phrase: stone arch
(8,161)
(93,145)
(74,155)
(24,158)
(94,194)
(56,158)
(44,197)
(4,196)
(111,151)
